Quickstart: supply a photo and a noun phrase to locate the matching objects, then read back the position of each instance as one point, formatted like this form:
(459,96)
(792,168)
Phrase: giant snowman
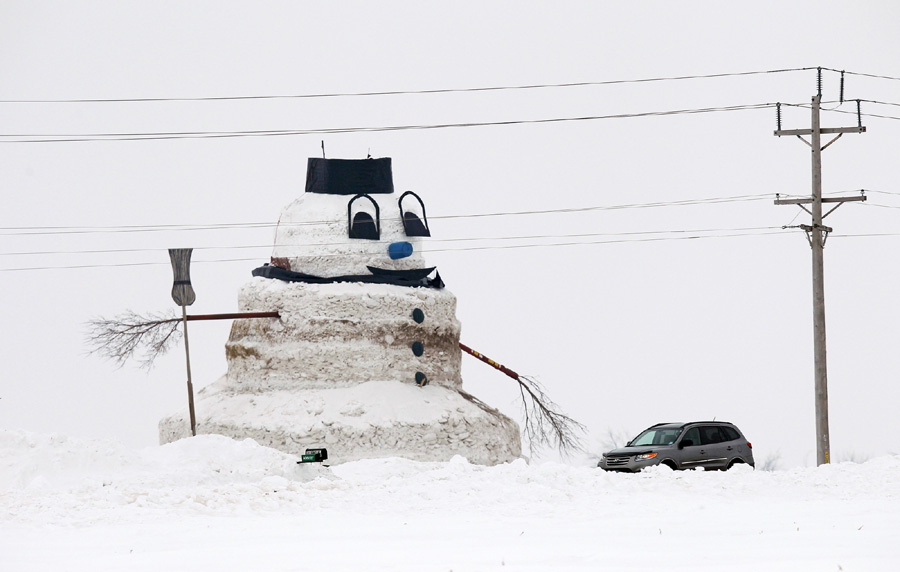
(364,359)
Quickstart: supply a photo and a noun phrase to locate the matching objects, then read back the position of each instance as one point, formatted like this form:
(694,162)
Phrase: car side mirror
(685,443)
(628,444)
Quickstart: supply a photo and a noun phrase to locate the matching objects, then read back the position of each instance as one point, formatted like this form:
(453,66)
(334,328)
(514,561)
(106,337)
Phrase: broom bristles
(545,424)
(132,336)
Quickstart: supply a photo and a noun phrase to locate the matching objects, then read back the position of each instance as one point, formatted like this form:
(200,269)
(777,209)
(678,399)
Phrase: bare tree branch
(132,336)
(545,424)
(614,439)
(772,462)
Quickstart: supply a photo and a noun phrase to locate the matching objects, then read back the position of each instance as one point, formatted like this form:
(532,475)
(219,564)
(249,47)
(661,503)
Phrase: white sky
(622,335)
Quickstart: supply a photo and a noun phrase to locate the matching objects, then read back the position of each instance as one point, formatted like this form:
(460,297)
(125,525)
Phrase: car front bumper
(627,464)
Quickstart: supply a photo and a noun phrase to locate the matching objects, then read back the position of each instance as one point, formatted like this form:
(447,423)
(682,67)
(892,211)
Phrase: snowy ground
(209,503)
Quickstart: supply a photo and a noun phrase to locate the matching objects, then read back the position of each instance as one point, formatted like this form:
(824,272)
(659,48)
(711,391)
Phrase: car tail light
(749,444)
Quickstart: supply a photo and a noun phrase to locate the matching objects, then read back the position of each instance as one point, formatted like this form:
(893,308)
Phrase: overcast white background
(623,335)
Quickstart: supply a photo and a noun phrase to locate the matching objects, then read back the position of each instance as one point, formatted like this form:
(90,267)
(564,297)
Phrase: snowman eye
(363,224)
(412,224)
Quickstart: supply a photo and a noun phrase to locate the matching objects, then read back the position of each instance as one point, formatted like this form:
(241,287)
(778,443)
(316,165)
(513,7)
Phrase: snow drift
(210,503)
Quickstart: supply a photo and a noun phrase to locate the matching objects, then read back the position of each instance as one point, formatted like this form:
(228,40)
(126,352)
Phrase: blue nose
(399,250)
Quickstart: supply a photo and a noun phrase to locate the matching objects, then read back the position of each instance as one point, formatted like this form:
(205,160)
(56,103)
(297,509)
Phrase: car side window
(666,437)
(710,435)
(692,435)
(730,434)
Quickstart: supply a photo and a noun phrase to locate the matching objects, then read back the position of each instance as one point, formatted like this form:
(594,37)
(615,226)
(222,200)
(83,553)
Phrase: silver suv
(708,444)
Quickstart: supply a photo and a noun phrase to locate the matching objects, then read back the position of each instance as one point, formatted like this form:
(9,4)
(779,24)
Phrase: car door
(714,447)
(688,451)
(734,446)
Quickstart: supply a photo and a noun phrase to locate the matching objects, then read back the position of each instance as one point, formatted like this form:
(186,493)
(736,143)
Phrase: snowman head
(349,220)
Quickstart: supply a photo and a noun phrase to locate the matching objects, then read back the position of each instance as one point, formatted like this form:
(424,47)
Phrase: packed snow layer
(313,235)
(333,335)
(208,503)
(364,421)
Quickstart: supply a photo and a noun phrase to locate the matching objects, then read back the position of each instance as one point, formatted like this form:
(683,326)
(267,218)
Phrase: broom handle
(489,361)
(236,316)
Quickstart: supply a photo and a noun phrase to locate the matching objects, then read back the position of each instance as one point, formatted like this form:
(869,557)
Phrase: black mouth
(416,277)
(412,274)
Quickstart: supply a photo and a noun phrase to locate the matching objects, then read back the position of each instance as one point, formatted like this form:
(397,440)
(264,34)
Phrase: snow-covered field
(210,503)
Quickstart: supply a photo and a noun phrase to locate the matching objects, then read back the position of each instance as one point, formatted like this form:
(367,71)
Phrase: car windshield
(656,437)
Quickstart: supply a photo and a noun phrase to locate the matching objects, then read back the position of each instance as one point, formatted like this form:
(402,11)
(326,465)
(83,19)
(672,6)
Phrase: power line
(409,92)
(430,241)
(118,265)
(225,260)
(430,251)
(687,202)
(880,102)
(155,136)
(862,191)
(871,204)
(654,239)
(883,206)
(128,250)
(444,250)
(866,235)
(53,230)
(881,192)
(877,115)
(846,112)
(863,74)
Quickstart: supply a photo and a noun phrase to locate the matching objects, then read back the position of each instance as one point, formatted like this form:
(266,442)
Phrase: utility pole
(817,234)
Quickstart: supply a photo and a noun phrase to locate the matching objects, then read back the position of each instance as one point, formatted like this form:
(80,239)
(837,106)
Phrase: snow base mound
(368,420)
